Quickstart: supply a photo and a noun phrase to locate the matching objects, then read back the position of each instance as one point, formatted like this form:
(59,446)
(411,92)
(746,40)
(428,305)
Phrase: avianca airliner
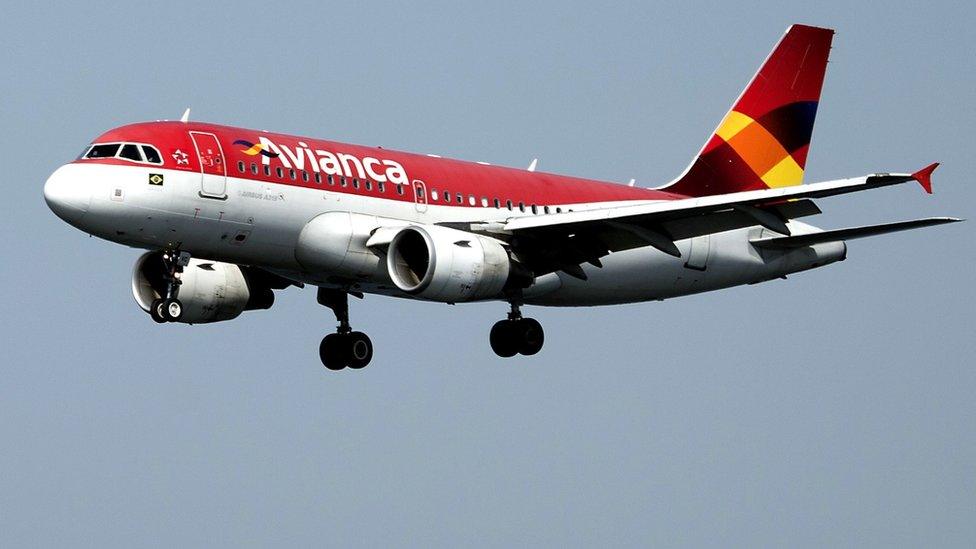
(229,215)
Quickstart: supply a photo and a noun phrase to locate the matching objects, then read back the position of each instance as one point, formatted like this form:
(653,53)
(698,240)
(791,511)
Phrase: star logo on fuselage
(181,158)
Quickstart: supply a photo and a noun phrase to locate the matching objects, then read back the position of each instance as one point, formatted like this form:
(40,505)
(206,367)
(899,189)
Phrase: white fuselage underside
(259,223)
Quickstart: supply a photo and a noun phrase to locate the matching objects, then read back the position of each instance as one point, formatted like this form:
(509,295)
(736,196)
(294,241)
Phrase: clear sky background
(833,409)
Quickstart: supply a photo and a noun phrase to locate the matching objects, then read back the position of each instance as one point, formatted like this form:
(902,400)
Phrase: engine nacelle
(448,265)
(211,291)
(335,243)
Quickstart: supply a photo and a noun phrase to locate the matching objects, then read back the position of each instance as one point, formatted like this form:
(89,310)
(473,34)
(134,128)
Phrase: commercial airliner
(229,215)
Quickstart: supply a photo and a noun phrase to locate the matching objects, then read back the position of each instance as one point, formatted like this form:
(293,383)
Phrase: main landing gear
(345,348)
(169,308)
(516,335)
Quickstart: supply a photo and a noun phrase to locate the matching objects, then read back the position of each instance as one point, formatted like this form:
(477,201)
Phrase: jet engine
(448,265)
(211,291)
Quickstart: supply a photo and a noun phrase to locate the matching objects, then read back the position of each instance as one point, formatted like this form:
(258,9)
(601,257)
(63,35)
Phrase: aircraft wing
(564,241)
(798,241)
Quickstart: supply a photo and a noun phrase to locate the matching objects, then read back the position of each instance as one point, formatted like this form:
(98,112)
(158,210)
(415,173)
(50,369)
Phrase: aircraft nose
(67,196)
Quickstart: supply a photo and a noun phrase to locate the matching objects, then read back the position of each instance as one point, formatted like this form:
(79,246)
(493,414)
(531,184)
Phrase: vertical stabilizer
(763,141)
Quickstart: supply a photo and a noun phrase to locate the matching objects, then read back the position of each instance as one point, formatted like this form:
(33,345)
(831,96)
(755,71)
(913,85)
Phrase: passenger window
(472,200)
(521,206)
(369,185)
(534,209)
(103,151)
(545,209)
(399,189)
(355,183)
(460,198)
(267,170)
(508,203)
(497,203)
(254,168)
(559,210)
(381,187)
(240,166)
(151,154)
(280,172)
(331,181)
(342,181)
(318,178)
(130,152)
(433,194)
(291,172)
(304,176)
(447,196)
(484,202)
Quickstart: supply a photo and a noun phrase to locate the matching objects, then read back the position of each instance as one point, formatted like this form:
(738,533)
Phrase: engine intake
(211,291)
(448,265)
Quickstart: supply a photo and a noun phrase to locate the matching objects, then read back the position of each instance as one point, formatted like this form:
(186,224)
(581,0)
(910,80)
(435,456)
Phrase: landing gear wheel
(504,338)
(345,348)
(359,348)
(531,336)
(168,308)
(171,309)
(156,311)
(332,352)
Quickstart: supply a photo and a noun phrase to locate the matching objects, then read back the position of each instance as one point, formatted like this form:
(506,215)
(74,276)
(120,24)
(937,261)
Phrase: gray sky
(835,408)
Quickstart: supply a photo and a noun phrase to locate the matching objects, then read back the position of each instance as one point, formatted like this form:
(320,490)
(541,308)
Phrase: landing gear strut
(169,308)
(516,335)
(345,348)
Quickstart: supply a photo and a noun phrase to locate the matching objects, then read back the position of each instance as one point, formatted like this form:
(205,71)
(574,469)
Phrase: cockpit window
(134,152)
(152,155)
(131,152)
(103,151)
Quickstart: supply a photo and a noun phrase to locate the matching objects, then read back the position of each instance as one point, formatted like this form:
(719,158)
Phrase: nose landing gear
(345,348)
(516,335)
(169,308)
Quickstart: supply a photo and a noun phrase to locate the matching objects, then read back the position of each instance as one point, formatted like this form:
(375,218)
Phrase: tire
(504,339)
(359,349)
(532,336)
(172,310)
(332,352)
(156,311)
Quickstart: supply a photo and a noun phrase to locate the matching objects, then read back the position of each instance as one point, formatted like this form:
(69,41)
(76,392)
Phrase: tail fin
(763,141)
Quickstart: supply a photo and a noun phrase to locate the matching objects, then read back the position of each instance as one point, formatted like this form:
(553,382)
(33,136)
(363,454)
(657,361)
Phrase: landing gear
(345,348)
(516,335)
(157,312)
(169,308)
(166,310)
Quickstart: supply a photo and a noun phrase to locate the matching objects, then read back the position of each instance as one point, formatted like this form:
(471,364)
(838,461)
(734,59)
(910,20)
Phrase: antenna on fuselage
(535,162)
(186,116)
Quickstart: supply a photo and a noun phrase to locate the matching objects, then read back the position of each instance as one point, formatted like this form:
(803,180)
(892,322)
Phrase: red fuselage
(475,183)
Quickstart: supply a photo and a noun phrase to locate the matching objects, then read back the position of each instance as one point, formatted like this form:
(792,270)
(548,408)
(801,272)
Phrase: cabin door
(213,172)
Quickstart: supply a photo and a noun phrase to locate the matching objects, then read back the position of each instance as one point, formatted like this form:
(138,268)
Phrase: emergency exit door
(213,169)
(420,195)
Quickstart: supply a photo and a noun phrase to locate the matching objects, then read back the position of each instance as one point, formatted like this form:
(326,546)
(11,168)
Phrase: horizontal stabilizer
(799,241)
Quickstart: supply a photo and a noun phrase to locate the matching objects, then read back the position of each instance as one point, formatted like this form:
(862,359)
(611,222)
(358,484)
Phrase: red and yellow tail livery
(763,141)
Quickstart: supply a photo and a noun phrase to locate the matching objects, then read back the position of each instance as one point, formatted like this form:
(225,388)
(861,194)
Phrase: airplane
(229,215)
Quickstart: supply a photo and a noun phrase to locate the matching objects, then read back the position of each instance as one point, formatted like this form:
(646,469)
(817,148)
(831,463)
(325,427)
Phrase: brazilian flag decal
(155,179)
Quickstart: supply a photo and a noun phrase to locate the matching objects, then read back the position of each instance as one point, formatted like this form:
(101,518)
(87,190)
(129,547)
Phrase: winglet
(186,116)
(924,176)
